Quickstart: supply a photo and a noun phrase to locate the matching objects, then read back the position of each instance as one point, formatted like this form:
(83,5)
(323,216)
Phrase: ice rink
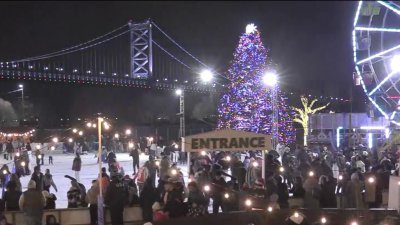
(62,165)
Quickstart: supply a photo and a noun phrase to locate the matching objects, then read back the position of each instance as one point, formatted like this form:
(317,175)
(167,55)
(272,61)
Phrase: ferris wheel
(376,52)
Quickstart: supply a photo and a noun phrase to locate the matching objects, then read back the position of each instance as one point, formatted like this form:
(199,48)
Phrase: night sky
(310,41)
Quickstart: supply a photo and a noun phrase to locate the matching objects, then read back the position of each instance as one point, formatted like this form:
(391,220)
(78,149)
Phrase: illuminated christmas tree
(247,102)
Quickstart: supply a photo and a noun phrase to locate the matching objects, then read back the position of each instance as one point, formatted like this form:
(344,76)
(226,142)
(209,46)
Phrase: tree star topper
(250,28)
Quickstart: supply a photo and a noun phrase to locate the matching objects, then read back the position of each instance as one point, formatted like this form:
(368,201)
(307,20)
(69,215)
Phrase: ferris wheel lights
(382,82)
(389,7)
(395,63)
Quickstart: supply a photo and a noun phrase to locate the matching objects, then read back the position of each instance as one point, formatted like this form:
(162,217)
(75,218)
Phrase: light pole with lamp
(181,114)
(21,86)
(270,79)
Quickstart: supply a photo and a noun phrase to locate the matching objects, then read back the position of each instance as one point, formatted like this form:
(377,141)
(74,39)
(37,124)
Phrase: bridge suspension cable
(184,50)
(172,56)
(70,49)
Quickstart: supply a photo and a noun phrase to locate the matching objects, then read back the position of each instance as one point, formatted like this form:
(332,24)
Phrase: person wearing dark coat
(135,158)
(196,200)
(219,185)
(76,166)
(328,187)
(115,198)
(298,190)
(283,193)
(147,198)
(173,200)
(11,197)
(38,177)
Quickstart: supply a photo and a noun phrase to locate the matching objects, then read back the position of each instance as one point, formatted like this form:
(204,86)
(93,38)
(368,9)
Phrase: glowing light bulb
(340,177)
(281,169)
(206,188)
(323,220)
(52,148)
(311,174)
(38,147)
(354,223)
(176,146)
(39,156)
(130,145)
(116,135)
(89,124)
(226,195)
(74,130)
(80,133)
(269,209)
(17,154)
(255,164)
(228,158)
(203,153)
(248,202)
(55,140)
(296,214)
(371,180)
(128,132)
(174,172)
(23,163)
(70,140)
(4,171)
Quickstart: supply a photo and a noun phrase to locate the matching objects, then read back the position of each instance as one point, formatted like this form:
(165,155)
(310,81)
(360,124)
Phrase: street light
(180,93)
(206,76)
(21,86)
(270,79)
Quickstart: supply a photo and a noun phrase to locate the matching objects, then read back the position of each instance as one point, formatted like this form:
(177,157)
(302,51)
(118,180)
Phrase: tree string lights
(247,103)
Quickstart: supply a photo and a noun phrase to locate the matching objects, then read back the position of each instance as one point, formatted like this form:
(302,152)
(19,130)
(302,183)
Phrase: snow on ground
(62,165)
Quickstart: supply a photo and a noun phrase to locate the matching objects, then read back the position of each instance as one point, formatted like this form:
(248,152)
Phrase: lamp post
(180,93)
(21,88)
(100,201)
(270,79)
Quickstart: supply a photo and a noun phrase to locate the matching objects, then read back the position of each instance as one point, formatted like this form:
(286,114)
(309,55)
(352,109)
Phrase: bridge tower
(141,50)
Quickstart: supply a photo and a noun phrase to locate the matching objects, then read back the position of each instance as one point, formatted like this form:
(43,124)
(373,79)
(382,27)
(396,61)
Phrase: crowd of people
(307,177)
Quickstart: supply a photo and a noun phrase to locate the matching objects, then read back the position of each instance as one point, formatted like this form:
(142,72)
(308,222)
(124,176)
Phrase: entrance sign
(227,140)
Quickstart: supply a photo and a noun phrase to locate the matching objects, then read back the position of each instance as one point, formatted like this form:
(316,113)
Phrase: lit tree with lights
(303,114)
(247,102)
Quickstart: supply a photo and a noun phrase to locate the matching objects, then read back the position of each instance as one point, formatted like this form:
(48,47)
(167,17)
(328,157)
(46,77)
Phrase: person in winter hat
(32,203)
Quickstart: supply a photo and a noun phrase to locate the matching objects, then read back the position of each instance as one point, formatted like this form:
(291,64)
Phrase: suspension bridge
(140,55)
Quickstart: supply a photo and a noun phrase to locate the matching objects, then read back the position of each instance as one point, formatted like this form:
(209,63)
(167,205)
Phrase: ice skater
(76,166)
